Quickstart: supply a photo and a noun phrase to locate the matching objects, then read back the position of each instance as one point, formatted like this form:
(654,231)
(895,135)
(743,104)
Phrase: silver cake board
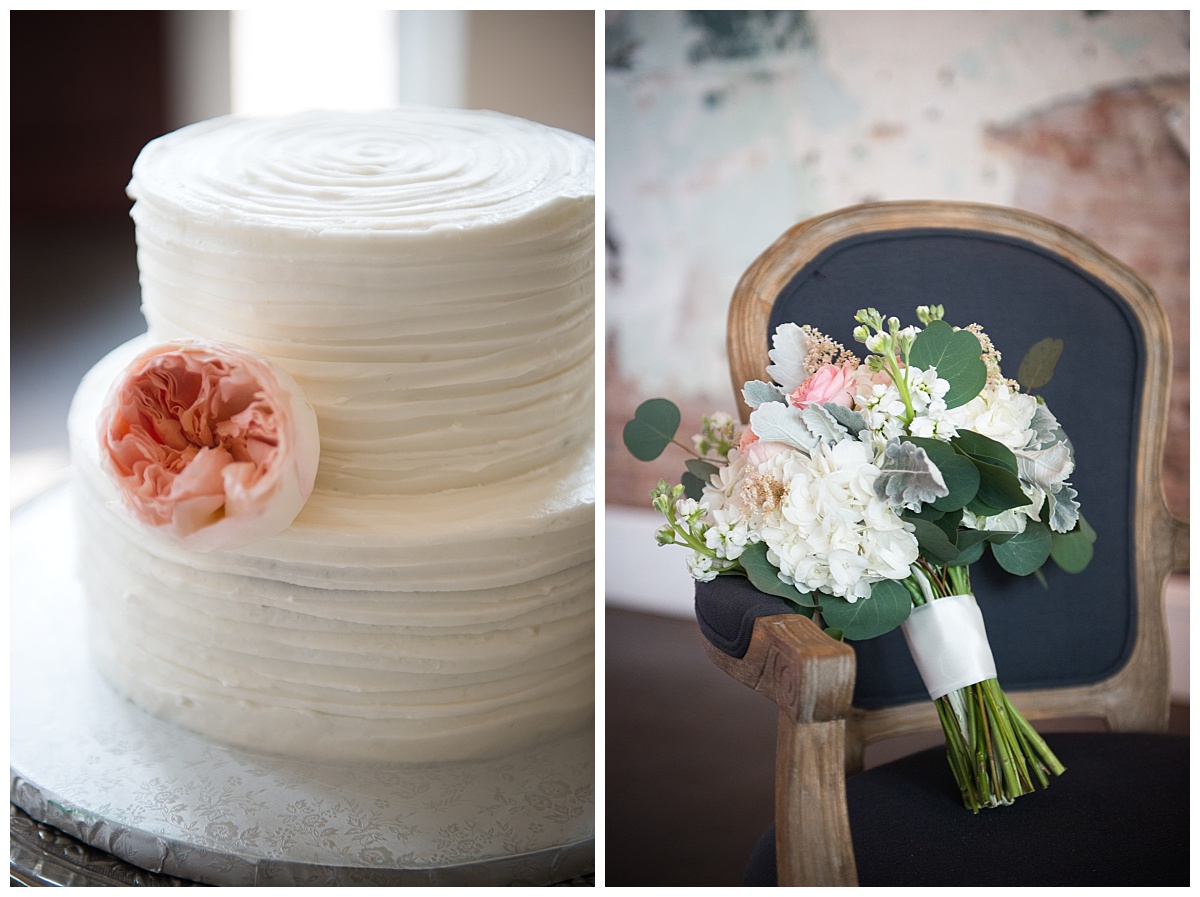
(89,763)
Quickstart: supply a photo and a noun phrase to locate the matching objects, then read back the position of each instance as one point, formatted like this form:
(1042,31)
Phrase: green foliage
(1037,367)
(764,576)
(1073,551)
(933,541)
(970,554)
(697,477)
(888,607)
(999,488)
(958,357)
(654,425)
(980,448)
(1026,551)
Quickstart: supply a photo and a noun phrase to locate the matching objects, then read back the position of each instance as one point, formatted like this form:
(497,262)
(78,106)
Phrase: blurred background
(722,129)
(90,89)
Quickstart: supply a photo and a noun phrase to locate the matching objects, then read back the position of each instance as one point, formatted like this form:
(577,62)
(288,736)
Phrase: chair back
(1091,644)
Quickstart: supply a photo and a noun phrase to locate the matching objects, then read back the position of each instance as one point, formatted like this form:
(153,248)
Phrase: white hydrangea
(1000,414)
(830,532)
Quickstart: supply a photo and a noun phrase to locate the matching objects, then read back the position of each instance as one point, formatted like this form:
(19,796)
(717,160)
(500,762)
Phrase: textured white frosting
(427,278)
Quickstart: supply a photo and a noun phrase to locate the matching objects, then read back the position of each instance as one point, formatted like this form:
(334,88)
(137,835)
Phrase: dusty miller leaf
(823,425)
(1047,469)
(854,422)
(775,422)
(756,393)
(1064,510)
(790,346)
(1045,428)
(907,478)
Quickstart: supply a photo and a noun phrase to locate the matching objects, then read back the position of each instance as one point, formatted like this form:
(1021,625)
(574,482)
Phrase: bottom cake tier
(375,629)
(92,765)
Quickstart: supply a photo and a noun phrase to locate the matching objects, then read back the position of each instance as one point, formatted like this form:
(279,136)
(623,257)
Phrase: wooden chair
(1085,646)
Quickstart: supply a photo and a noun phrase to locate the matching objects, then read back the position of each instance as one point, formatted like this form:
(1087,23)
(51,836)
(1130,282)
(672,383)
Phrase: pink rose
(209,444)
(832,383)
(749,437)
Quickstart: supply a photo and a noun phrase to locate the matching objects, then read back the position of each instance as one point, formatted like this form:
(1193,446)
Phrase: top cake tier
(426,275)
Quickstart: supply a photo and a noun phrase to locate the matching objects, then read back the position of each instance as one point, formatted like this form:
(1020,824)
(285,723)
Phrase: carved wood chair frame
(821,736)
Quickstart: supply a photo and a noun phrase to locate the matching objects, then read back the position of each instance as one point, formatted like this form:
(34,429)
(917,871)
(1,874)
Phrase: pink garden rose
(209,444)
(831,383)
(749,437)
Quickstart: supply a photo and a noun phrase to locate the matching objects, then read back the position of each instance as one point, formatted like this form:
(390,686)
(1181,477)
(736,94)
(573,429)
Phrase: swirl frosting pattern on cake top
(356,173)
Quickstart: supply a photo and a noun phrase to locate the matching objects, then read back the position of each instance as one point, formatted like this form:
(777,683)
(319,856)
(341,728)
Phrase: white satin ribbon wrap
(949,643)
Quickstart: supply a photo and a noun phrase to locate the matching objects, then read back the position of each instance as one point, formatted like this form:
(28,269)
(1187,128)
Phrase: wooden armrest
(810,677)
(801,669)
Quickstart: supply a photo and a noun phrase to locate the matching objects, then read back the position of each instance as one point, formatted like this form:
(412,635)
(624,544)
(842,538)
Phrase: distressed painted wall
(723,129)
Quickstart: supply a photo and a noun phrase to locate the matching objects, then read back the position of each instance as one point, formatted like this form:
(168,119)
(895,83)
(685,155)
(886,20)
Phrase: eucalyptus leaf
(933,542)
(756,393)
(999,487)
(775,422)
(969,538)
(926,512)
(968,556)
(958,472)
(999,491)
(949,523)
(1071,551)
(836,634)
(978,447)
(764,576)
(654,425)
(700,468)
(888,607)
(693,486)
(1037,367)
(907,478)
(1026,551)
(958,357)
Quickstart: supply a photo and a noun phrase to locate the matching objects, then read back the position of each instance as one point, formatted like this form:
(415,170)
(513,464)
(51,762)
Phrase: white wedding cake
(426,278)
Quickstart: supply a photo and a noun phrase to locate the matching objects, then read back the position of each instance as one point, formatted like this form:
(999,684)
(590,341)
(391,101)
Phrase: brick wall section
(1115,167)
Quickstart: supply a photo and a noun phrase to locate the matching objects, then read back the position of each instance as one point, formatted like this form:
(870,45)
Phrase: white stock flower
(882,407)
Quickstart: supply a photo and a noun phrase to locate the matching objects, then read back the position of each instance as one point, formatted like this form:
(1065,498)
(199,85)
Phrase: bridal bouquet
(863,489)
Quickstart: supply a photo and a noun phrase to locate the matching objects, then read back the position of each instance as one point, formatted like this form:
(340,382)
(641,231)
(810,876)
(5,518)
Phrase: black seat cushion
(1117,816)
(727,607)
